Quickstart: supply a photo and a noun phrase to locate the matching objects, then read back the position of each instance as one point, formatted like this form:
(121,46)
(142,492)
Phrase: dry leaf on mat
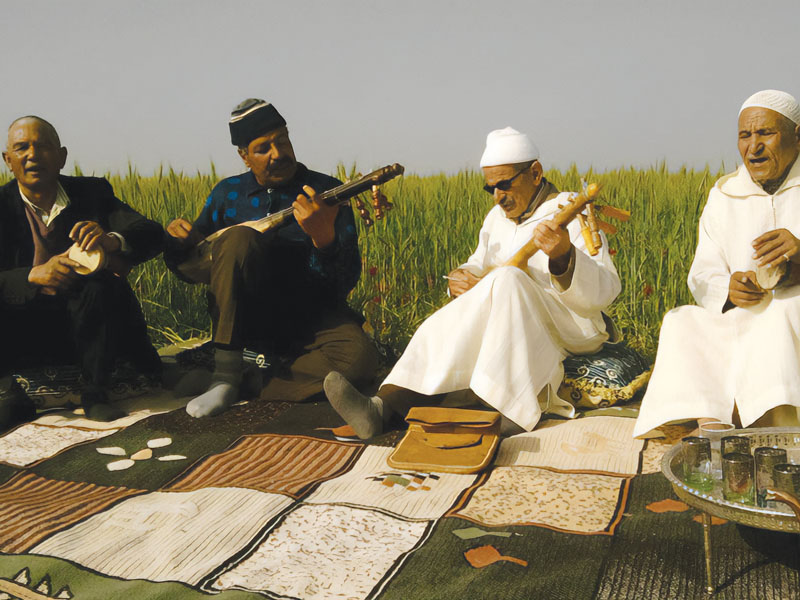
(483,556)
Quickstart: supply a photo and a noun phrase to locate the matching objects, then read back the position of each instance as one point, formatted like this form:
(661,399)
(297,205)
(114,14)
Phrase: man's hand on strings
(315,218)
(776,247)
(182,230)
(743,290)
(460,281)
(554,241)
(89,235)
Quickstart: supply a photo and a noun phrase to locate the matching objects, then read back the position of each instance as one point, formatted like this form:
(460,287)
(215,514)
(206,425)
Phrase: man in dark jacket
(49,313)
(286,288)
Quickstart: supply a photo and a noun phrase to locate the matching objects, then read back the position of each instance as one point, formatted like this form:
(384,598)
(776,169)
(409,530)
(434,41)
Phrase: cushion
(612,375)
(55,386)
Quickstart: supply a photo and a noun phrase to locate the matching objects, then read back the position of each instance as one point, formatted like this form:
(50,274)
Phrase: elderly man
(508,330)
(286,289)
(735,357)
(48,312)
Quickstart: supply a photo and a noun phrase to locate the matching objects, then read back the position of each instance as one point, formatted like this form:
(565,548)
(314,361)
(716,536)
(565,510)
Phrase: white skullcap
(508,147)
(780,102)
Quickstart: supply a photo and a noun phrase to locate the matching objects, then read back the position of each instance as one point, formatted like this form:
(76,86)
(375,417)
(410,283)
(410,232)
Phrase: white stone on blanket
(159,442)
(144,454)
(170,457)
(120,465)
(112,451)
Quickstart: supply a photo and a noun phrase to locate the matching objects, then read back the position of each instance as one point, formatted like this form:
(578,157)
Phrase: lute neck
(331,197)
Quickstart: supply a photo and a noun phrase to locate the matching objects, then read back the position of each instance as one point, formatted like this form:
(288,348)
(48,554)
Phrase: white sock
(224,388)
(362,413)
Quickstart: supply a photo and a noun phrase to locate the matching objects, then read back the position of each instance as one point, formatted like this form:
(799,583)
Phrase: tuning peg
(380,203)
(363,212)
(587,235)
(592,221)
(607,227)
(614,213)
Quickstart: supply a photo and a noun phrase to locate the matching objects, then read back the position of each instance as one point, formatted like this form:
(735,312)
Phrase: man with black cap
(285,289)
(49,313)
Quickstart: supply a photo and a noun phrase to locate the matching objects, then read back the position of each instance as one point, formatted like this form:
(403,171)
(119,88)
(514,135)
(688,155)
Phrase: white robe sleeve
(595,282)
(476,263)
(709,276)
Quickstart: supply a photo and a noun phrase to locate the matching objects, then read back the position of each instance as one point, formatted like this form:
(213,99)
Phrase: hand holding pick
(183,231)
(460,281)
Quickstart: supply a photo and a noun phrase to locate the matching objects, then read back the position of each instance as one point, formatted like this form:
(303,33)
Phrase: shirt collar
(740,184)
(61,202)
(545,189)
(252,187)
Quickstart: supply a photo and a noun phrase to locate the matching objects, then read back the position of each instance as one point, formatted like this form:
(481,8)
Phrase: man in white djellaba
(507,331)
(736,356)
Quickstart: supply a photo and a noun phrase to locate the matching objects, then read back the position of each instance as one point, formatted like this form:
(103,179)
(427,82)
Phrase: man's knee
(101,292)
(353,354)
(236,243)
(510,276)
(508,281)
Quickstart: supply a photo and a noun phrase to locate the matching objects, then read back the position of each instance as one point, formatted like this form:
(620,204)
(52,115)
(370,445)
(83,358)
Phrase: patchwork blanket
(269,500)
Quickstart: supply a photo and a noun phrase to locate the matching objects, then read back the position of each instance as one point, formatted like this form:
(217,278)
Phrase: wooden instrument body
(197,265)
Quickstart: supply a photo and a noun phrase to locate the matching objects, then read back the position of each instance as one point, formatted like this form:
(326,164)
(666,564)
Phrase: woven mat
(265,501)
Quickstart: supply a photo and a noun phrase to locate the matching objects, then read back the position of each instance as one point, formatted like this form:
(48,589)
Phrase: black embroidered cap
(253,118)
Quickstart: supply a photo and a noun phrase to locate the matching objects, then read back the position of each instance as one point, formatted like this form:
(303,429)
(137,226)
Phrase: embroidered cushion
(55,386)
(612,375)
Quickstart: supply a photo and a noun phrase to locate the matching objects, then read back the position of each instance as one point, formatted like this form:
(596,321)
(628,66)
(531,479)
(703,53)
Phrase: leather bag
(448,440)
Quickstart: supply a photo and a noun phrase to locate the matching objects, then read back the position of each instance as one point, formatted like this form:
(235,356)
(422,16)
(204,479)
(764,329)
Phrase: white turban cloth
(780,102)
(508,147)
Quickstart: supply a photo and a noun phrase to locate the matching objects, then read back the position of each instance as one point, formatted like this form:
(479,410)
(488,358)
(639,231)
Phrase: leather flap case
(448,440)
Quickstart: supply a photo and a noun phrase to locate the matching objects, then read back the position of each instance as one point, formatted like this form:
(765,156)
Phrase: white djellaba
(707,359)
(506,337)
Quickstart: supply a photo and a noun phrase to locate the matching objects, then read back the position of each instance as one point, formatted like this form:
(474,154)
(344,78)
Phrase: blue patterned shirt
(333,270)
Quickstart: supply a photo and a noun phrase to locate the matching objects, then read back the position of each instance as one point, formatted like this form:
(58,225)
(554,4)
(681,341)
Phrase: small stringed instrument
(590,225)
(197,266)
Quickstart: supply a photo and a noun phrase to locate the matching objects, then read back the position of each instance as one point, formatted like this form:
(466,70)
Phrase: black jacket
(91,199)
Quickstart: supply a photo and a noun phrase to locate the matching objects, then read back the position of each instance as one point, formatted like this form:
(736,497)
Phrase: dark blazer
(91,199)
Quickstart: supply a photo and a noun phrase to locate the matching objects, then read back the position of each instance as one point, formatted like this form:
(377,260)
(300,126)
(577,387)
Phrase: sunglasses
(504,184)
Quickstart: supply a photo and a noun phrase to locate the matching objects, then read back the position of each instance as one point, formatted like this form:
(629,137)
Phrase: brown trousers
(338,345)
(251,298)
(95,323)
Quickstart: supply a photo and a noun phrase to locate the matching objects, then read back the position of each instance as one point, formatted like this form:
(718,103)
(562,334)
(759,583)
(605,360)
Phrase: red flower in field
(612,251)
(377,299)
(373,271)
(647,290)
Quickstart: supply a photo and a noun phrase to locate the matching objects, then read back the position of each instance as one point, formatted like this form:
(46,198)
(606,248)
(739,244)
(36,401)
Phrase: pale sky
(605,84)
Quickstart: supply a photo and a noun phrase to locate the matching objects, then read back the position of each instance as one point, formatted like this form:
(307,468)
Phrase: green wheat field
(432,229)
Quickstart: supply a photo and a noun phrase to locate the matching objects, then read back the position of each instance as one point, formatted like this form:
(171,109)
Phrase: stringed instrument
(590,224)
(197,266)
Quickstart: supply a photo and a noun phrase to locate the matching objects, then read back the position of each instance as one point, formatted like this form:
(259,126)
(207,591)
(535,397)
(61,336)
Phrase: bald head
(35,156)
(45,127)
